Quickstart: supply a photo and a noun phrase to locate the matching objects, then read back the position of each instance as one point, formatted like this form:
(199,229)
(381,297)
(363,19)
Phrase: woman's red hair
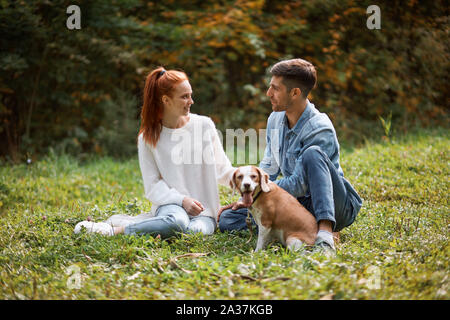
(157,84)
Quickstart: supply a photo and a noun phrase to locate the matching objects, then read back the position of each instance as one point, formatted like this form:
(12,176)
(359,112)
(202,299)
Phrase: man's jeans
(328,200)
(169,220)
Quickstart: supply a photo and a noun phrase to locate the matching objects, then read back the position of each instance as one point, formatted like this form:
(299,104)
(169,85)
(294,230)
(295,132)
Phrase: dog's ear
(264,180)
(233,181)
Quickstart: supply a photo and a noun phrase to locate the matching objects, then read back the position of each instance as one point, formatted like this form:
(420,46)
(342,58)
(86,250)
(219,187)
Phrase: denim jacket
(285,147)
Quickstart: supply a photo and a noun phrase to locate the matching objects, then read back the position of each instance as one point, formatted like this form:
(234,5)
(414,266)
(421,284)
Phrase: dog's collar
(257,195)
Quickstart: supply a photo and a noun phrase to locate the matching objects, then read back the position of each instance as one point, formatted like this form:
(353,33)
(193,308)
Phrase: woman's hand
(192,206)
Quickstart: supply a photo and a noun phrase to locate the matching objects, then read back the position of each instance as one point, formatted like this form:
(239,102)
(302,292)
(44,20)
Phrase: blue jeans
(329,197)
(235,220)
(169,220)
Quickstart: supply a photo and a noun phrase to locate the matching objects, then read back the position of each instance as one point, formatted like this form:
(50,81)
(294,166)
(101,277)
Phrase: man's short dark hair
(296,73)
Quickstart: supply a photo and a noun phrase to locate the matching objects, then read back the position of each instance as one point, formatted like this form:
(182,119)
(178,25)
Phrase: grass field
(396,249)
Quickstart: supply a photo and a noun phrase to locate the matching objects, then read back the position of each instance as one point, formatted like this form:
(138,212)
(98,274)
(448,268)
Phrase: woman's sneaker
(123,220)
(95,227)
(120,220)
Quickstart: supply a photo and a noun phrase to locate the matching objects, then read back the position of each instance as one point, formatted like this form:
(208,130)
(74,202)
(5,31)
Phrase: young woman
(181,160)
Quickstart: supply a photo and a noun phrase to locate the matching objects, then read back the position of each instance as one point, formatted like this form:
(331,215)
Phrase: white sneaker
(123,220)
(97,227)
(120,220)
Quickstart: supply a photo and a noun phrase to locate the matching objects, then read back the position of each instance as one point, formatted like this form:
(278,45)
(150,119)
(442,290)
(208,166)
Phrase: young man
(302,145)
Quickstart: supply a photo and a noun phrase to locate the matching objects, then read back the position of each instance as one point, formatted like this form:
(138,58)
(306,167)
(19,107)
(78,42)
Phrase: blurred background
(79,92)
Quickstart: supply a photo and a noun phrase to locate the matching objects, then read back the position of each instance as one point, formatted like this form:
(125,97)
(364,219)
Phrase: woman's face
(179,104)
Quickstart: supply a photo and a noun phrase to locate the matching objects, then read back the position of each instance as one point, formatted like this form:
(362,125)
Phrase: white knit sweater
(189,161)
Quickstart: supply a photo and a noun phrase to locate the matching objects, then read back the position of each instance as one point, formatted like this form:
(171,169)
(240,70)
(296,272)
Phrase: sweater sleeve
(224,169)
(156,189)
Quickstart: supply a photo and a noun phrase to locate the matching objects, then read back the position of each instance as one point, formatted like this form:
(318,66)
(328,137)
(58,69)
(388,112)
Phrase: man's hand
(238,205)
(233,206)
(192,206)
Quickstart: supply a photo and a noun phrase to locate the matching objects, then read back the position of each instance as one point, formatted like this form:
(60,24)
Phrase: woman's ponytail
(158,83)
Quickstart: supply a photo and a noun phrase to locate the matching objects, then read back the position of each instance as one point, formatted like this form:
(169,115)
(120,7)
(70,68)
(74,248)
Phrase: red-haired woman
(181,160)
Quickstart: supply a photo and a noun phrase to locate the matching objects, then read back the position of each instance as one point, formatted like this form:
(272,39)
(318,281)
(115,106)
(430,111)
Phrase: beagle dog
(277,213)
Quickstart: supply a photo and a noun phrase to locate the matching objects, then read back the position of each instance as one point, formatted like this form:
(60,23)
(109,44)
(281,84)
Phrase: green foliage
(396,249)
(386,123)
(66,88)
(60,87)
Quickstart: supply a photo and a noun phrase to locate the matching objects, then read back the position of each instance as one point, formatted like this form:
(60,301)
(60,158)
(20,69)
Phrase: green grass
(396,249)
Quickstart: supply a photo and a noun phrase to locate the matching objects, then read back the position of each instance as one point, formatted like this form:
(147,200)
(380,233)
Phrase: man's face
(278,94)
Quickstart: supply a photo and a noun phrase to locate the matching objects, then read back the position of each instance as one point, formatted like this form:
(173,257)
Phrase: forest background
(79,91)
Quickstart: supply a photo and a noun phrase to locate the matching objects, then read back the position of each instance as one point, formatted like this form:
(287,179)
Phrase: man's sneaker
(325,248)
(96,227)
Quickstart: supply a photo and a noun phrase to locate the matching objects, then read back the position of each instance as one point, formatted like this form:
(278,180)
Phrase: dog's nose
(246,185)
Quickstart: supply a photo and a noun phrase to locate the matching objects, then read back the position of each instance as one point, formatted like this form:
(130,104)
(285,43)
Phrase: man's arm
(296,183)
(268,163)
